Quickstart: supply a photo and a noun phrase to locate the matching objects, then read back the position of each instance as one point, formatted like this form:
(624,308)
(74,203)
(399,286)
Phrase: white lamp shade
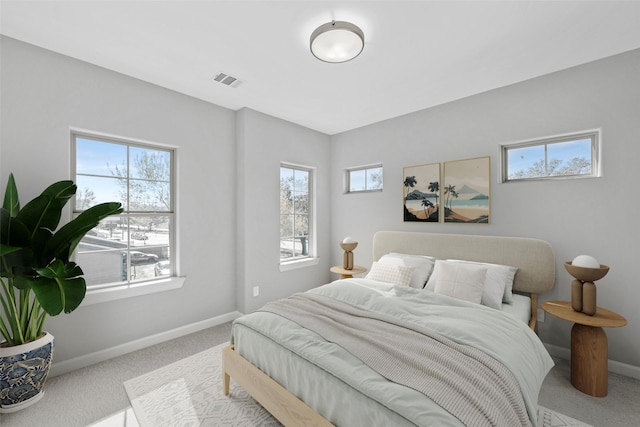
(337,41)
(585,261)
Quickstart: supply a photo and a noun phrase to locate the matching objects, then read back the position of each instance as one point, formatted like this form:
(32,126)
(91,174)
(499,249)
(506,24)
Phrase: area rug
(189,393)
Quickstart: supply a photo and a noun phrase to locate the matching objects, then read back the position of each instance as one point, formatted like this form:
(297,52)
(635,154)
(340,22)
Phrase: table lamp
(348,245)
(586,270)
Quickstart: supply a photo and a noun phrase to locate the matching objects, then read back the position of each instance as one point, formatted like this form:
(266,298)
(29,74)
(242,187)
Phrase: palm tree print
(448,191)
(421,185)
(409,182)
(454,195)
(427,207)
(434,187)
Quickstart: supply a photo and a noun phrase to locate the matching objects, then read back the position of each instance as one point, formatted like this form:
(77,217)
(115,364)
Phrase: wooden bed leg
(226,382)
(226,378)
(533,323)
(284,406)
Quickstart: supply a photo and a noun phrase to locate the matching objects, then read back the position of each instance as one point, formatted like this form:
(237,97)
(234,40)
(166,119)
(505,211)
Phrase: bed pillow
(462,281)
(397,274)
(498,282)
(422,266)
(499,277)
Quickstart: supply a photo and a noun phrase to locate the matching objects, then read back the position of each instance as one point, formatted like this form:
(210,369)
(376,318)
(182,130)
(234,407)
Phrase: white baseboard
(615,367)
(122,349)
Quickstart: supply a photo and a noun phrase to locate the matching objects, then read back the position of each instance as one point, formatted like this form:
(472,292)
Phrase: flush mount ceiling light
(337,41)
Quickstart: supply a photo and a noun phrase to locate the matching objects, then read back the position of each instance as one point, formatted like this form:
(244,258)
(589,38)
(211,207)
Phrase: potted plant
(37,278)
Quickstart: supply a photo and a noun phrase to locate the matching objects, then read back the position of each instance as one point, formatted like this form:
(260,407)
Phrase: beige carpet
(189,393)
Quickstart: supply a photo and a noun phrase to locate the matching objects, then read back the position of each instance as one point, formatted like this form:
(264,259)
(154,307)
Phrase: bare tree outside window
(295,212)
(148,188)
(135,246)
(552,158)
(85,198)
(364,178)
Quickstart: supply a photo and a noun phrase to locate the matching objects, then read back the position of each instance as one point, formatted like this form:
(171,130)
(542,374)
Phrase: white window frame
(121,290)
(595,135)
(366,168)
(310,259)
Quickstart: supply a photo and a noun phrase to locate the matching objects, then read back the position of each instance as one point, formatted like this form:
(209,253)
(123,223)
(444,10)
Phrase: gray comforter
(499,336)
(470,385)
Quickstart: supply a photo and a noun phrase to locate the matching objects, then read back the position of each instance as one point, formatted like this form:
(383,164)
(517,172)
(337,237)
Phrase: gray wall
(228,186)
(585,216)
(263,143)
(228,183)
(43,94)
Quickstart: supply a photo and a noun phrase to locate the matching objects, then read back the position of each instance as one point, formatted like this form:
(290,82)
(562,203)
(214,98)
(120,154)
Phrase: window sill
(300,263)
(377,190)
(99,296)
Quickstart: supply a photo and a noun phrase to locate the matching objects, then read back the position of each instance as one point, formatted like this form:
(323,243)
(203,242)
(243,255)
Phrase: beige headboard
(534,258)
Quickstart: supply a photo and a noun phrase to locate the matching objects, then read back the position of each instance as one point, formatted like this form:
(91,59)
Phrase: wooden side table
(589,345)
(347,274)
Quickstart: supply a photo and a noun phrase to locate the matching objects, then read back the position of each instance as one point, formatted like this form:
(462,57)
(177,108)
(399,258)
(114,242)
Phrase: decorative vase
(576,295)
(23,372)
(583,289)
(347,258)
(589,298)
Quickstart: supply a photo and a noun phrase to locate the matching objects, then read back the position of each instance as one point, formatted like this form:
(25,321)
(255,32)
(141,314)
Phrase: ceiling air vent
(227,80)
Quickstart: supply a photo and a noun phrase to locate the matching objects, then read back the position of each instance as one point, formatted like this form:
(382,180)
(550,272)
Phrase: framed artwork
(421,193)
(466,191)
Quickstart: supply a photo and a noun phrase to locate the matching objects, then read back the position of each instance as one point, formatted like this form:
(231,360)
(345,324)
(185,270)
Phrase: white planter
(23,372)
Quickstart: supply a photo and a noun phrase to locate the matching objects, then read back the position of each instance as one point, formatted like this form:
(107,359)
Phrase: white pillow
(423,265)
(501,277)
(462,281)
(498,282)
(396,274)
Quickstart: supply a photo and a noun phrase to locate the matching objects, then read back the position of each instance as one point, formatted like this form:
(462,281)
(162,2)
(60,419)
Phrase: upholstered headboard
(534,258)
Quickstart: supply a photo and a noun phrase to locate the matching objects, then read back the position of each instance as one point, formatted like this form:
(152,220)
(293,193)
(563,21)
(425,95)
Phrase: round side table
(589,345)
(347,274)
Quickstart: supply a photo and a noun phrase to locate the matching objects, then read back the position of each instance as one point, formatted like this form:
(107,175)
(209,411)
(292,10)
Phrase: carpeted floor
(189,393)
(95,395)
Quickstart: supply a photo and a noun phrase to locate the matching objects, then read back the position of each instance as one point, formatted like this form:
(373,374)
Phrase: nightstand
(589,345)
(347,274)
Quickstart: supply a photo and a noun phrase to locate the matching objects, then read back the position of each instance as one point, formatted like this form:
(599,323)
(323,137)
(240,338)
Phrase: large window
(295,212)
(135,246)
(566,156)
(364,178)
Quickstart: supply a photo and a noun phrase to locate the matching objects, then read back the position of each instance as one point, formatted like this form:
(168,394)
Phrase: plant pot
(23,371)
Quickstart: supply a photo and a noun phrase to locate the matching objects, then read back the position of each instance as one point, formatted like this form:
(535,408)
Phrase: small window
(137,245)
(567,156)
(296,199)
(366,178)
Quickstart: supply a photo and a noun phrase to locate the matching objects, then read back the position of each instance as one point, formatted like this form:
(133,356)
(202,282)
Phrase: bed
(305,370)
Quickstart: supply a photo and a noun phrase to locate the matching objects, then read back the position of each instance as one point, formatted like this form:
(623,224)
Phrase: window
(364,178)
(296,200)
(135,246)
(566,156)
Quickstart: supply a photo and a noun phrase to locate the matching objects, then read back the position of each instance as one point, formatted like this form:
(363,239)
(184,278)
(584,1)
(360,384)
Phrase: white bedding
(326,377)
(520,308)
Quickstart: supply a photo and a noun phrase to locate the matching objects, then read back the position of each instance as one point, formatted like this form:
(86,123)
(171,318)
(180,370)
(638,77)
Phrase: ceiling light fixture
(337,41)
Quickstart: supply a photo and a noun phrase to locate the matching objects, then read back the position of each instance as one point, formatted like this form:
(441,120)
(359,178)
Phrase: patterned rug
(189,393)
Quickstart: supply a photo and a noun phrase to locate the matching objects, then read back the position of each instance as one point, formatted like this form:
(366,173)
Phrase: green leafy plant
(36,273)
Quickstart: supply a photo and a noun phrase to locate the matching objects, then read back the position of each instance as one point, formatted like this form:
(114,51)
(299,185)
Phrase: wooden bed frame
(536,274)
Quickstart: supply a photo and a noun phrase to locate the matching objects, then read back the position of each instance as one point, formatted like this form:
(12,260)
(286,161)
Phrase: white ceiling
(417,54)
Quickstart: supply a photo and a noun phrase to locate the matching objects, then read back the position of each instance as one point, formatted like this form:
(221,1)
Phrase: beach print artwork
(466,191)
(421,193)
